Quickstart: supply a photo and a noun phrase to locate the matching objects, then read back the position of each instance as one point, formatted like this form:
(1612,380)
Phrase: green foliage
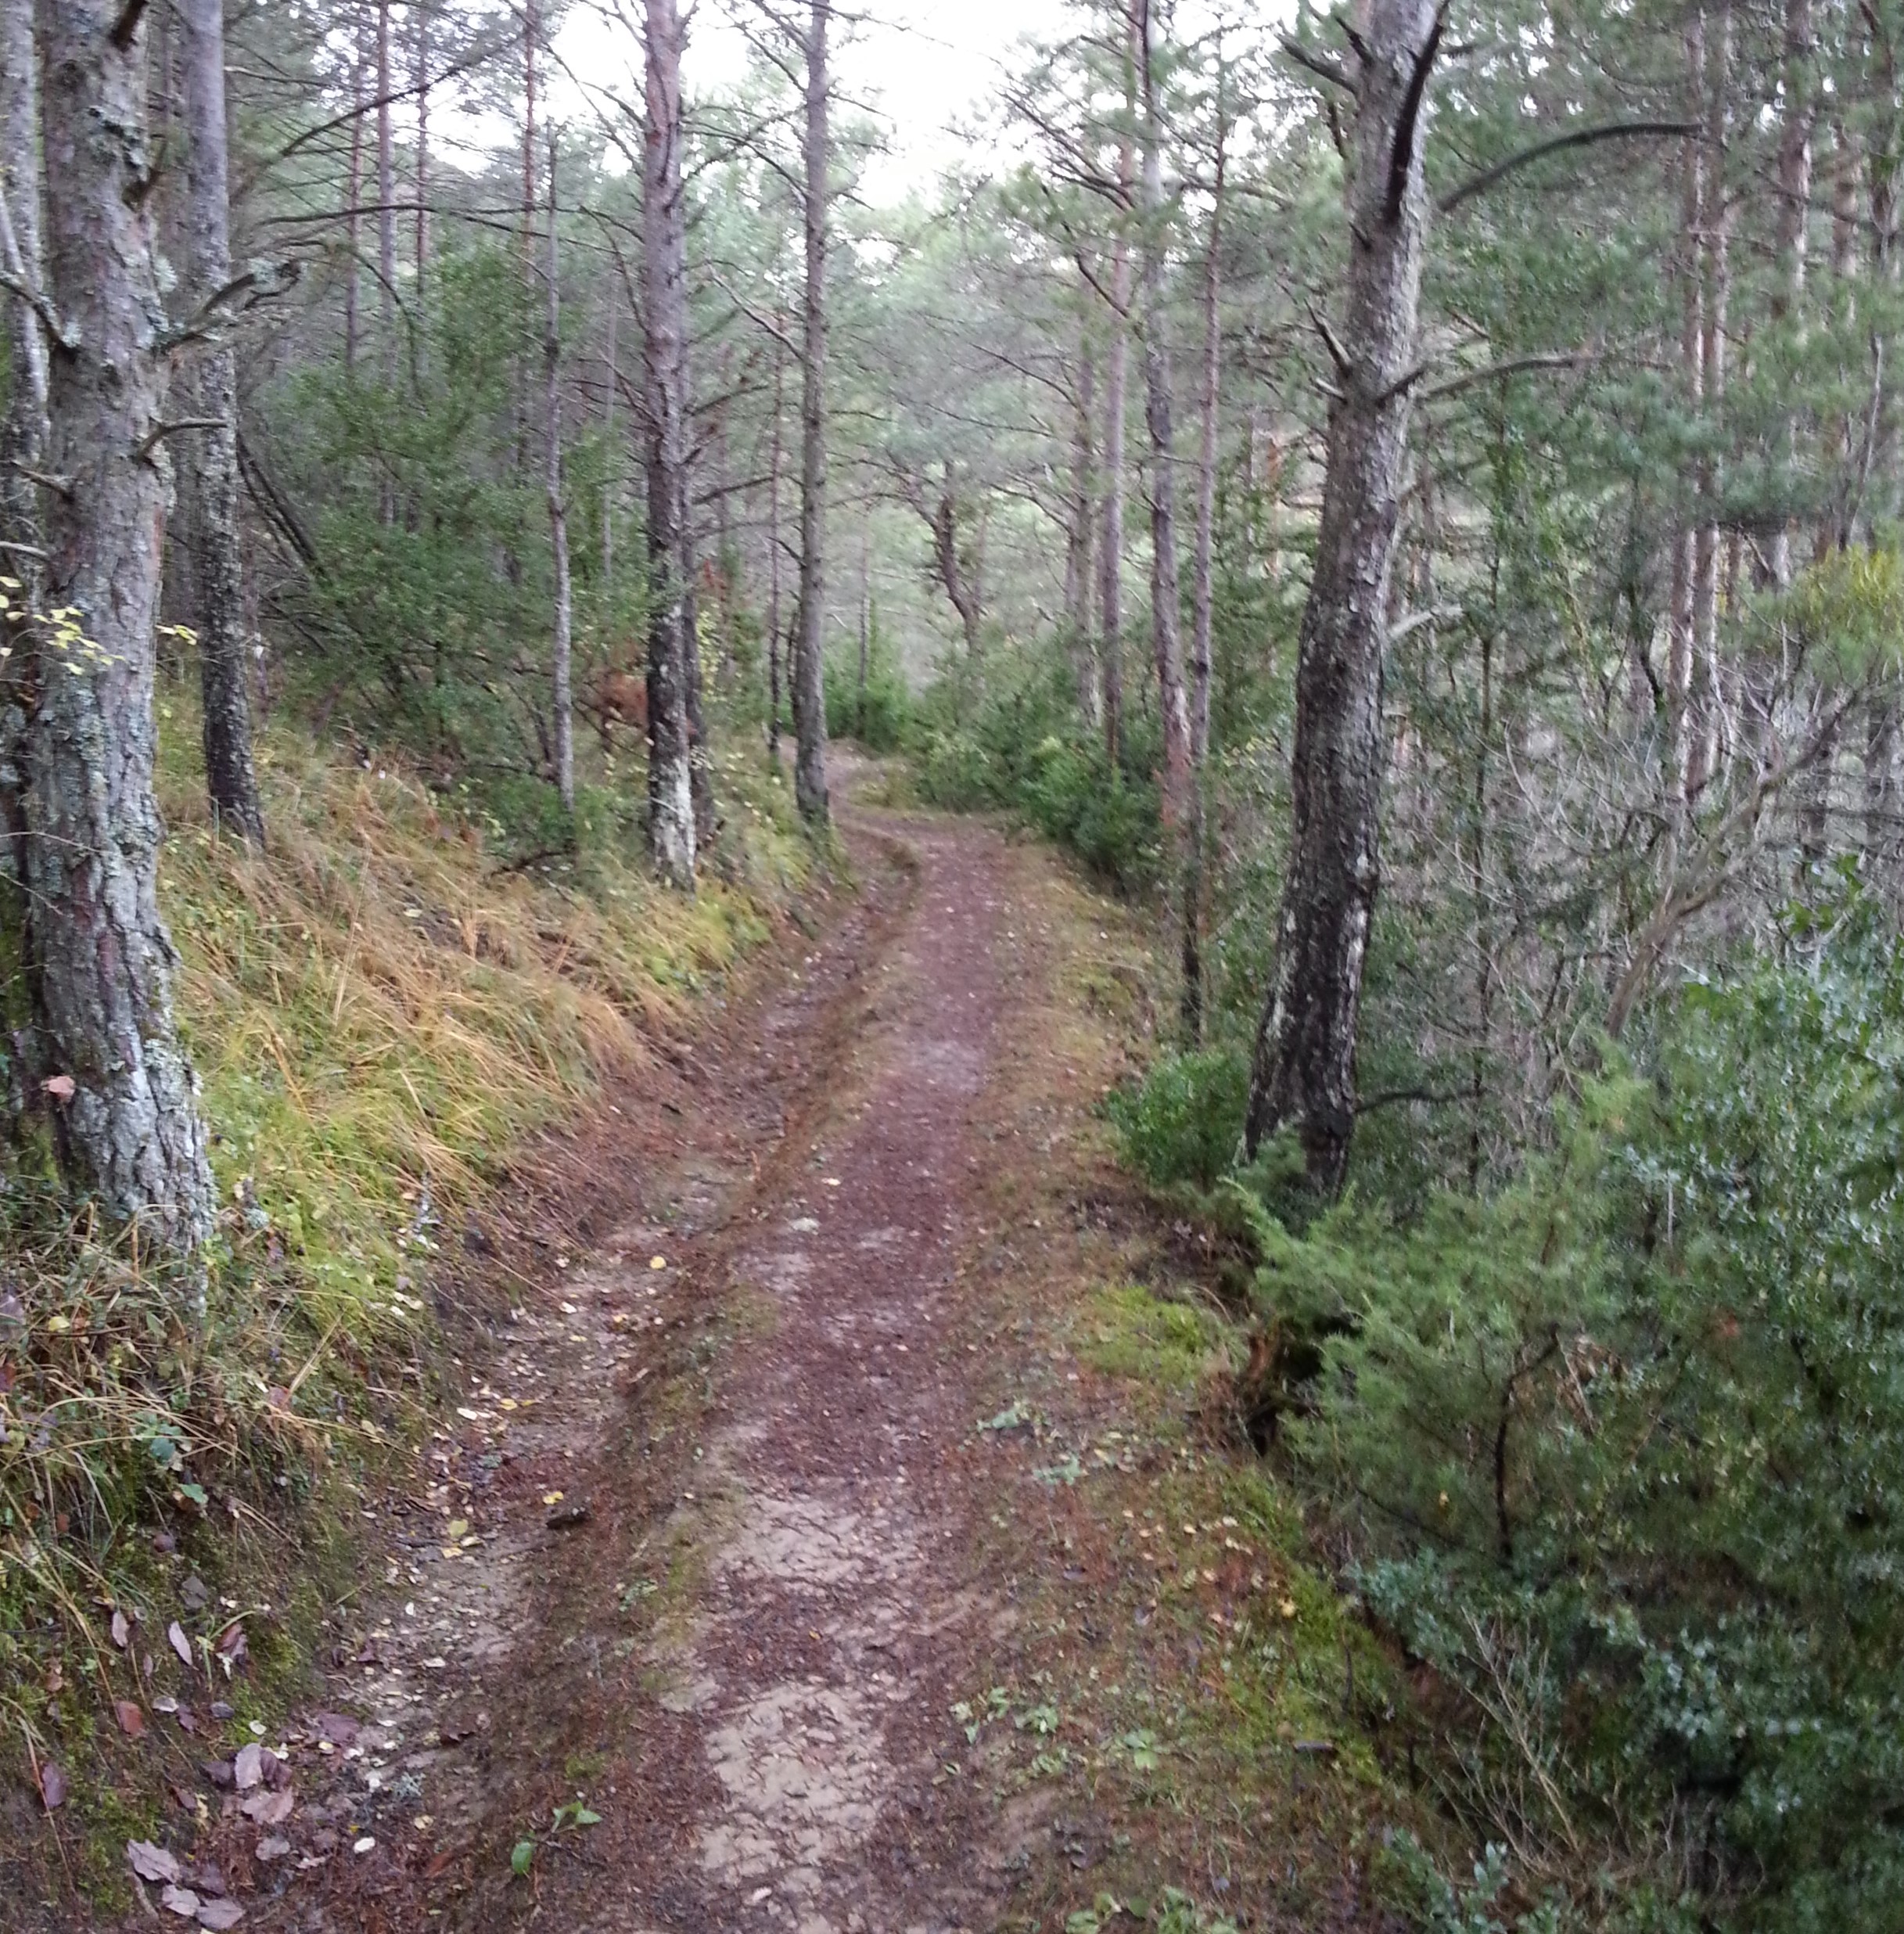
(1184,1121)
(1013,741)
(878,717)
(1848,611)
(1622,1446)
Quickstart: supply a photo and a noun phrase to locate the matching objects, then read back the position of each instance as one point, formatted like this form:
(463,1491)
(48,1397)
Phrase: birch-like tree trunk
(23,448)
(420,17)
(206,537)
(809,671)
(1202,591)
(1111,548)
(775,453)
(671,841)
(130,1133)
(1793,226)
(564,687)
(1166,630)
(1303,1072)
(1080,548)
(352,221)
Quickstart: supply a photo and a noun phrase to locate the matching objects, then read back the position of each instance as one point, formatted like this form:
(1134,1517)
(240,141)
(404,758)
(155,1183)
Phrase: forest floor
(839,1536)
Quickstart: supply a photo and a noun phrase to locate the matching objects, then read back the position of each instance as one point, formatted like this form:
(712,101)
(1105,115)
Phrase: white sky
(924,66)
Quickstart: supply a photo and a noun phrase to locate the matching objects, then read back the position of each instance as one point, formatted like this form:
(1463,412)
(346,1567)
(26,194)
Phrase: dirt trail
(790,1562)
(695,1551)
(813,1670)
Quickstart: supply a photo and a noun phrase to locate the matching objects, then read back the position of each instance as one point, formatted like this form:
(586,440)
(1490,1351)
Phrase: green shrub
(1184,1121)
(879,718)
(1622,1450)
(1014,742)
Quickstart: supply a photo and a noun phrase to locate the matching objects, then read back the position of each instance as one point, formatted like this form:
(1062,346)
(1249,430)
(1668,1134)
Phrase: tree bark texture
(671,845)
(809,671)
(1202,599)
(206,532)
(23,448)
(1111,547)
(130,1133)
(563,653)
(1166,627)
(1303,1072)
(1081,550)
(774,454)
(1793,225)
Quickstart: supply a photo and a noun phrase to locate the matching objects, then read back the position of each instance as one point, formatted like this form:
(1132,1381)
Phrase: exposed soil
(719,1551)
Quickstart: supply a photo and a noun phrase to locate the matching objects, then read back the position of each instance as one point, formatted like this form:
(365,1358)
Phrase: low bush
(1184,1121)
(1014,743)
(1620,1449)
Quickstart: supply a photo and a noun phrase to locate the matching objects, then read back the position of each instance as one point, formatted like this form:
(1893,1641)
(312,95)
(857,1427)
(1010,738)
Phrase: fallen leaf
(268,1808)
(196,1594)
(152,1863)
(458,1528)
(248,1766)
(52,1785)
(657,1262)
(220,1913)
(132,1718)
(1288,1608)
(272,1848)
(122,1629)
(62,1088)
(182,1901)
(365,1845)
(339,1728)
(175,1638)
(218,1771)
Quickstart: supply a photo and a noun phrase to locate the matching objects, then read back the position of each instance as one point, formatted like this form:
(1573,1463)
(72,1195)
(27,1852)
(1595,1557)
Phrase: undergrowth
(380,1010)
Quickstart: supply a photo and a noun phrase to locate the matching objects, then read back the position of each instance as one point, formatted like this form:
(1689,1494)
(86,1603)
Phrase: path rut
(820,1642)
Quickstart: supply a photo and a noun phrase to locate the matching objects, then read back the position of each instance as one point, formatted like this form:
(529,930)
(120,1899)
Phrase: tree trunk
(963,586)
(670,785)
(1166,634)
(1683,632)
(1110,551)
(1202,594)
(386,242)
(866,618)
(1794,195)
(610,481)
(206,531)
(564,695)
(420,12)
(1080,551)
(1715,295)
(353,199)
(809,673)
(1303,1074)
(23,448)
(775,453)
(129,1132)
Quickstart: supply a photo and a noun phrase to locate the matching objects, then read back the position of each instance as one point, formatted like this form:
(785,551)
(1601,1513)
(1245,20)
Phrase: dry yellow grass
(379,1009)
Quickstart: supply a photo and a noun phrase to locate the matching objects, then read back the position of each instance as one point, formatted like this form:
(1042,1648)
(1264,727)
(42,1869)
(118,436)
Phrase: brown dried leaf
(62,1088)
(122,1629)
(132,1718)
(248,1767)
(268,1807)
(220,1913)
(182,1900)
(52,1785)
(175,1638)
(152,1863)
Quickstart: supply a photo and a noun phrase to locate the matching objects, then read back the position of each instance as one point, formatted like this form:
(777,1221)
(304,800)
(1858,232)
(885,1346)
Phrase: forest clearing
(950,966)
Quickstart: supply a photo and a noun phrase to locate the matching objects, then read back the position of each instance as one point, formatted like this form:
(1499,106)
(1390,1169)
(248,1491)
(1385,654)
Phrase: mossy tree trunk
(130,1130)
